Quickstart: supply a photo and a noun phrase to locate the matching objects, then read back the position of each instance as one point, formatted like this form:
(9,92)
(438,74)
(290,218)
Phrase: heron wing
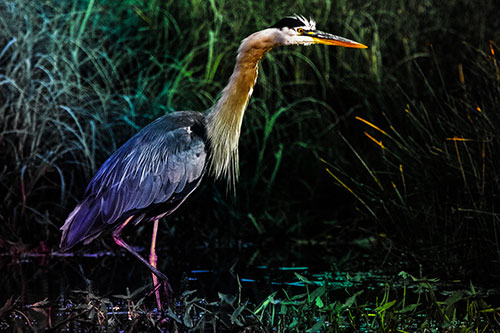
(151,174)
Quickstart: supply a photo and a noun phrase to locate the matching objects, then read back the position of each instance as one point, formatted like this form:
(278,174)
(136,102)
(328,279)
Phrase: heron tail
(79,224)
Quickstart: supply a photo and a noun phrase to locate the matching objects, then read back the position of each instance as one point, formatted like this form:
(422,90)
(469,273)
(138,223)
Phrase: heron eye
(300,31)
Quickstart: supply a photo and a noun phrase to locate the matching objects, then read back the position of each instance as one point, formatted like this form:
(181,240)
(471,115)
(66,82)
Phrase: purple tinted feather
(79,224)
(182,181)
(141,177)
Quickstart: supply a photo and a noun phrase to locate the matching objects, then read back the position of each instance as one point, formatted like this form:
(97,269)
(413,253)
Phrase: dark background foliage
(396,143)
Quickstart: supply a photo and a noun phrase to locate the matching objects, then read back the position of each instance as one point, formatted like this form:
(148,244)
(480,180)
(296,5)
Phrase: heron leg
(167,289)
(153,258)
(120,242)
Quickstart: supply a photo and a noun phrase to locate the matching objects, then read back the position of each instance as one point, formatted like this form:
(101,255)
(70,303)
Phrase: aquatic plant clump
(316,303)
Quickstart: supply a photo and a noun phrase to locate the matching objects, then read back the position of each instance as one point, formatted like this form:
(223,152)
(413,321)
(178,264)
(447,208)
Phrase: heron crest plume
(225,117)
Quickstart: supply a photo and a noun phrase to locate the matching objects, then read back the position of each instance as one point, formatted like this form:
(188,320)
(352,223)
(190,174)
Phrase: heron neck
(225,118)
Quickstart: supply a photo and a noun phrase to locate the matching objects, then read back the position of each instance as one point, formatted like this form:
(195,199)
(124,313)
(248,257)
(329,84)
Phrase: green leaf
(296,297)
(472,289)
(188,321)
(385,306)
(408,308)
(303,279)
(235,316)
(318,292)
(294,323)
(172,315)
(455,297)
(187,293)
(317,327)
(227,299)
(350,301)
(319,303)
(265,303)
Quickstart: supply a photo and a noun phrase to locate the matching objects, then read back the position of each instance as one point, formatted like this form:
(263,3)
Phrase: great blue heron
(152,174)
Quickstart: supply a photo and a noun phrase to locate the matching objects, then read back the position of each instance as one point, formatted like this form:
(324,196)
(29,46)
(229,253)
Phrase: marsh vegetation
(381,162)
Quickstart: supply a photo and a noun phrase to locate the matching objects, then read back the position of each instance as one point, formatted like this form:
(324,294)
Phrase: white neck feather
(225,117)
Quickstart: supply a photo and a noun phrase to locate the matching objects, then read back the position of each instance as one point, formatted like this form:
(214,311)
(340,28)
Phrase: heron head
(297,30)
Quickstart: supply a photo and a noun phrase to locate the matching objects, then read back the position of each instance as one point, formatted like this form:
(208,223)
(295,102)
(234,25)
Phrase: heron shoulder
(161,144)
(195,121)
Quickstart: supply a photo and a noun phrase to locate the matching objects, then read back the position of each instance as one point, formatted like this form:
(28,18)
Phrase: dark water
(59,279)
(35,278)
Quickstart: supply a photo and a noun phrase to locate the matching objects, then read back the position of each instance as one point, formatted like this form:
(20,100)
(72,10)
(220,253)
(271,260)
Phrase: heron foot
(162,288)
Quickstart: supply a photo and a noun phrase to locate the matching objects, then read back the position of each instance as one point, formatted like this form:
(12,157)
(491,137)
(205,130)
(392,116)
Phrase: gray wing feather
(153,167)
(153,172)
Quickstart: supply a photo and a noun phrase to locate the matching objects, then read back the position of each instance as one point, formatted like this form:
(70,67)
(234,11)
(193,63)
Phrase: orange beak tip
(342,43)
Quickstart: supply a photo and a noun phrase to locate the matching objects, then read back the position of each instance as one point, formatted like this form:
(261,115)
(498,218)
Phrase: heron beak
(320,37)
